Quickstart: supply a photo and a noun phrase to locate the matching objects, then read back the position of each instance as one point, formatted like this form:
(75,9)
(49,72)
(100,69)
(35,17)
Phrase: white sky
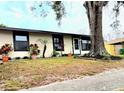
(17,14)
(108,17)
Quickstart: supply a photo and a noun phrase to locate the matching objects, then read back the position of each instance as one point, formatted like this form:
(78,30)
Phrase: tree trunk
(44,51)
(94,13)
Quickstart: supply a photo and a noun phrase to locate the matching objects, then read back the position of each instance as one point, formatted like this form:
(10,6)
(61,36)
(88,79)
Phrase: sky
(108,18)
(18,14)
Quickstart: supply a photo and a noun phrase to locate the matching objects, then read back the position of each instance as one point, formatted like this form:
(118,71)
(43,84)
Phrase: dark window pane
(21,41)
(58,42)
(86,45)
(76,43)
(21,46)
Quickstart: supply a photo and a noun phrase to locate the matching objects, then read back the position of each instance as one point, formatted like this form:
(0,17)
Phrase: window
(21,41)
(21,38)
(86,45)
(76,43)
(58,44)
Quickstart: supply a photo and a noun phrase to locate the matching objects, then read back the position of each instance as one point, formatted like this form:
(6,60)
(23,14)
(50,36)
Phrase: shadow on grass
(101,57)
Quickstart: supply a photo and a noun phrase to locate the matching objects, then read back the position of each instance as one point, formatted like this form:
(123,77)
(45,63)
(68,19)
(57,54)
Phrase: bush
(34,49)
(26,57)
(17,58)
(75,56)
(64,55)
(10,58)
(5,49)
(122,51)
(55,53)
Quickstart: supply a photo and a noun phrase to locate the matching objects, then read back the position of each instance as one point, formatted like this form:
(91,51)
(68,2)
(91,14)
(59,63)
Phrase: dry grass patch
(29,73)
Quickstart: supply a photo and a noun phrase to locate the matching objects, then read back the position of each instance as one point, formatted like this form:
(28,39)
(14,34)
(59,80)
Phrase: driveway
(106,81)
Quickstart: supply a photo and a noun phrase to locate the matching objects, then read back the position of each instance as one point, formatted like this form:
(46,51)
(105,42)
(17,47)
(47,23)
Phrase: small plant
(34,49)
(17,57)
(5,49)
(122,51)
(55,53)
(44,42)
(25,57)
(75,56)
(64,55)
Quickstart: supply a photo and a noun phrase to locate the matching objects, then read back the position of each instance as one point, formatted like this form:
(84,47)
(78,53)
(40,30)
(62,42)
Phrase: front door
(76,45)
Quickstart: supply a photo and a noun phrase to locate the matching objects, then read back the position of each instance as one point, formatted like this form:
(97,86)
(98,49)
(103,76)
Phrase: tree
(2,25)
(94,14)
(44,42)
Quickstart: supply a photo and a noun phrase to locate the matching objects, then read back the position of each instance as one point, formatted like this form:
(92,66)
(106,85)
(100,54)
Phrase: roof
(116,41)
(41,31)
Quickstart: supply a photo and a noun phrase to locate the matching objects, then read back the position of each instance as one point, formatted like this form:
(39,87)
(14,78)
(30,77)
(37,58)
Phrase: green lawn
(122,56)
(21,74)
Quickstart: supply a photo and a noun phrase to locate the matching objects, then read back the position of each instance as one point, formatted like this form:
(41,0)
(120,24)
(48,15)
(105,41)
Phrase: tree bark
(94,13)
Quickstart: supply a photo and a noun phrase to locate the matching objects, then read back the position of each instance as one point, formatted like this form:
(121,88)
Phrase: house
(115,45)
(61,42)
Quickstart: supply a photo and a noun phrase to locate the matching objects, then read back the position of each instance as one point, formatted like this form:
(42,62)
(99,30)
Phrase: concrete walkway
(107,81)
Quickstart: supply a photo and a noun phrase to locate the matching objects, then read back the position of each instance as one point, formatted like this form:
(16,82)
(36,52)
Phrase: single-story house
(115,45)
(61,42)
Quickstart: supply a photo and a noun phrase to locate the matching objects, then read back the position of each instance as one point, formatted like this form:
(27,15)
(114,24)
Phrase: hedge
(122,51)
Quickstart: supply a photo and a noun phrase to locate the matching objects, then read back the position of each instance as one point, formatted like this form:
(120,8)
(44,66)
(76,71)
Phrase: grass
(21,74)
(122,56)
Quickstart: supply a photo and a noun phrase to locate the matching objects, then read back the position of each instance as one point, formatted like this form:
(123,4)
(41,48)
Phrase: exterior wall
(113,49)
(84,52)
(6,37)
(67,44)
(110,49)
(33,37)
(117,49)
(123,45)
(20,54)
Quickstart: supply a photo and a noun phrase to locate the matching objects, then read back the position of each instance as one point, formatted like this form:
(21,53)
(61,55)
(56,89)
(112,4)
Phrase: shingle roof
(116,41)
(41,31)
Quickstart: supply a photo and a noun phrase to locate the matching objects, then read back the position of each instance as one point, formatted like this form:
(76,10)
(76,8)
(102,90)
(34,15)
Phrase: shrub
(34,49)
(10,58)
(5,49)
(55,53)
(17,58)
(26,57)
(64,55)
(122,51)
(75,56)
